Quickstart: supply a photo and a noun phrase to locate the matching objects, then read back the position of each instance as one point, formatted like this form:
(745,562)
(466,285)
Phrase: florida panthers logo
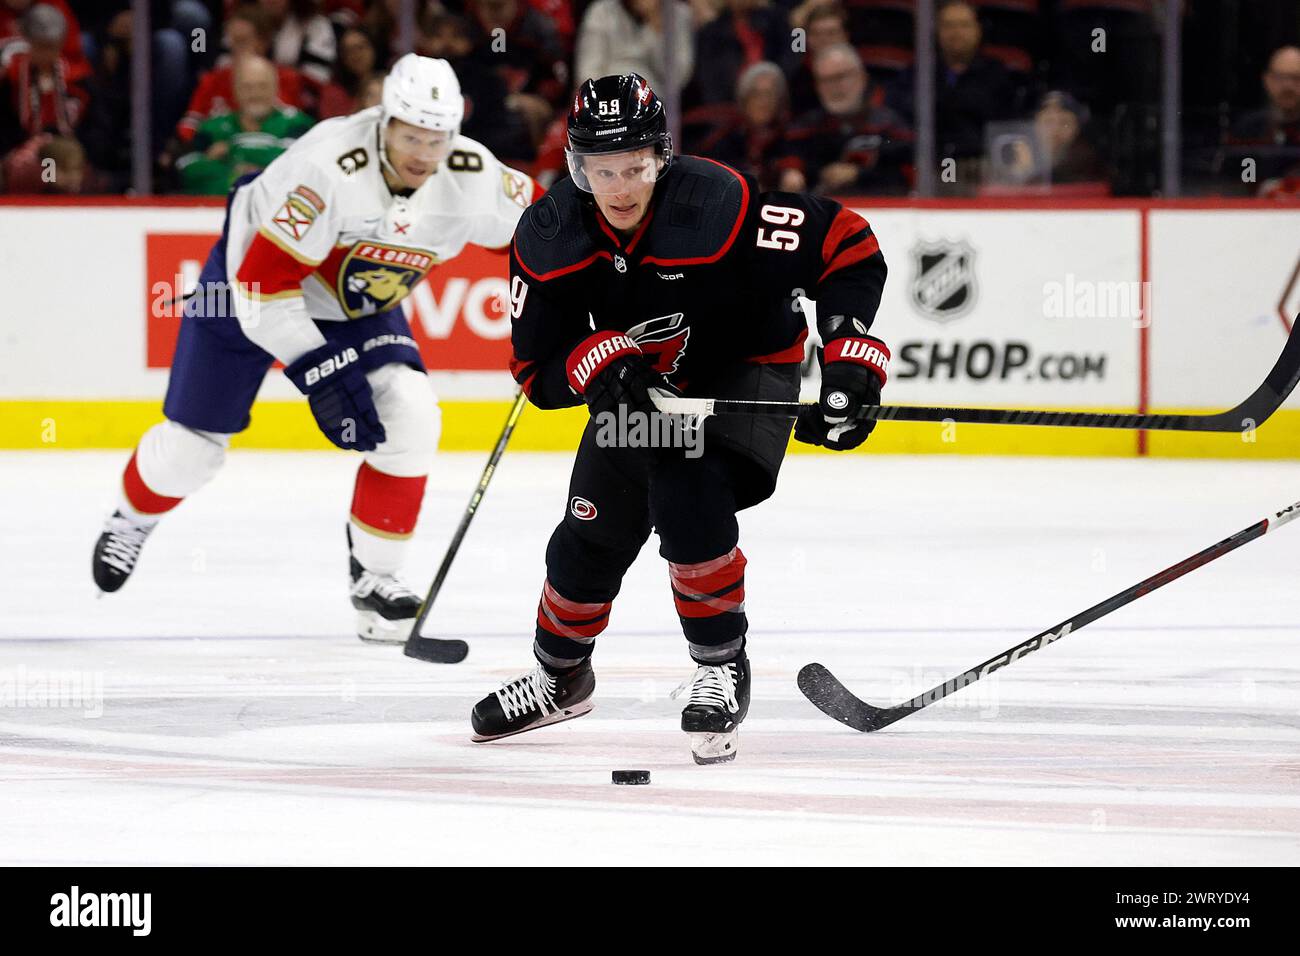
(663,340)
(382,285)
(373,277)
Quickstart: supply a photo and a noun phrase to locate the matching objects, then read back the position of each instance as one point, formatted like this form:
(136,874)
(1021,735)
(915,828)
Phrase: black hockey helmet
(616,114)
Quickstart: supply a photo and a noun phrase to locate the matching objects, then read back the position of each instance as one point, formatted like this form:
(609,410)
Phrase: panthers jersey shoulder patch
(295,217)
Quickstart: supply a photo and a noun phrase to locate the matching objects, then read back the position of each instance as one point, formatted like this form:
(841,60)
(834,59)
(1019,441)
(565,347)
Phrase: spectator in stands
(37,91)
(228,146)
(11,14)
(1058,127)
(181,29)
(1271,135)
(248,33)
(106,130)
(45,165)
(627,36)
(525,49)
(971,90)
(851,144)
(303,38)
(561,15)
(488,119)
(108,36)
(743,32)
(372,92)
(345,13)
(356,64)
(825,25)
(747,134)
(1056,153)
(380,21)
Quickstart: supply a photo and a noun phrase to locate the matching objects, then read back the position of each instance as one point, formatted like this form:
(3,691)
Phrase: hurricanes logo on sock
(582,509)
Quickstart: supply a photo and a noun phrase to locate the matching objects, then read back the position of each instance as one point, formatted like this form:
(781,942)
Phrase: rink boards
(1098,305)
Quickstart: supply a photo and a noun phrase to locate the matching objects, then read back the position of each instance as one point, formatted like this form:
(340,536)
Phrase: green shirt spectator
(228,146)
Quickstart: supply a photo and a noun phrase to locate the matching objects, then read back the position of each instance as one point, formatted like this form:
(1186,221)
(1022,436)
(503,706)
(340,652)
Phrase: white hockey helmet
(424,92)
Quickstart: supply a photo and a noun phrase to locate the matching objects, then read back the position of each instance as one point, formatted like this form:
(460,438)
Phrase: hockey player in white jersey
(316,254)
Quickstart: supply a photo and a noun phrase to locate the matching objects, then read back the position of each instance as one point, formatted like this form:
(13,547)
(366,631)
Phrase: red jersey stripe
(845,224)
(270,269)
(863,250)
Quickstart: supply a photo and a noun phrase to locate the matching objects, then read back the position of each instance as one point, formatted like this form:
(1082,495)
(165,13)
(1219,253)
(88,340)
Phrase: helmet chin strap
(383,147)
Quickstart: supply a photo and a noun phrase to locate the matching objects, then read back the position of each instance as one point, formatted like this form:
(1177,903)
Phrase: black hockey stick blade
(439,650)
(1243,418)
(436,650)
(835,700)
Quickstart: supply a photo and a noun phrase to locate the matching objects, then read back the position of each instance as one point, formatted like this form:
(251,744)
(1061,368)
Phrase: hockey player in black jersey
(642,274)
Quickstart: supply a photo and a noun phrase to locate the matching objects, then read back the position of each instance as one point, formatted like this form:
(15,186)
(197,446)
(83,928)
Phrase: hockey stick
(1250,414)
(832,698)
(435,649)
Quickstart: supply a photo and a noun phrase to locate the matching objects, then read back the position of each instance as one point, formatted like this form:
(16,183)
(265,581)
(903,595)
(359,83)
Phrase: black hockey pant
(617,495)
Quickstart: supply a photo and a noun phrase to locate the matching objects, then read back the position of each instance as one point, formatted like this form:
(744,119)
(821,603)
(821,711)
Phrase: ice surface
(219,710)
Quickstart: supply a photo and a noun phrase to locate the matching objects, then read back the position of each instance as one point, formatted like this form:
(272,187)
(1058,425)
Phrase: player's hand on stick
(854,369)
(608,370)
(339,395)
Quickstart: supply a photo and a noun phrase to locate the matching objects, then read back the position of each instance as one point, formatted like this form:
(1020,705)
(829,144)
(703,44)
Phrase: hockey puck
(633,777)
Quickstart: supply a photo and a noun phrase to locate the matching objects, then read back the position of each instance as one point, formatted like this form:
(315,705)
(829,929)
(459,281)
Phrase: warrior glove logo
(595,358)
(663,340)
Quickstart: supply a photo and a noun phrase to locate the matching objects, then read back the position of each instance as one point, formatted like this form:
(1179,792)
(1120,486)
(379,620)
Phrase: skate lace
(388,586)
(533,691)
(711,685)
(122,549)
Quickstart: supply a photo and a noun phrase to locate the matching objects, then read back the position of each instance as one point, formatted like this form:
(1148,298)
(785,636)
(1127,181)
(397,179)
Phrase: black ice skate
(534,700)
(718,703)
(118,550)
(386,607)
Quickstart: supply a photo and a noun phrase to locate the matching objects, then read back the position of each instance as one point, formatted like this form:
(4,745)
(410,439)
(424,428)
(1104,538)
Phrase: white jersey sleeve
(510,194)
(283,225)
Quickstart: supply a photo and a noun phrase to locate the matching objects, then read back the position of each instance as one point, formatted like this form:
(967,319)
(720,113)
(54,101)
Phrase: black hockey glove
(339,395)
(854,369)
(608,370)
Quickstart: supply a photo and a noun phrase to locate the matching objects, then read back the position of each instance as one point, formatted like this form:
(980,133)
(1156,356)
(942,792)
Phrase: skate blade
(714,748)
(559,717)
(374,628)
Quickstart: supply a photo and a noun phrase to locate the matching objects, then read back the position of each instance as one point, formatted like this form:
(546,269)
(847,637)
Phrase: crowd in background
(1057,97)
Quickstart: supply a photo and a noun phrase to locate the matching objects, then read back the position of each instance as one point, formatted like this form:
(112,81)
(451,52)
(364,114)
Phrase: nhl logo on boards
(620,263)
(943,279)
